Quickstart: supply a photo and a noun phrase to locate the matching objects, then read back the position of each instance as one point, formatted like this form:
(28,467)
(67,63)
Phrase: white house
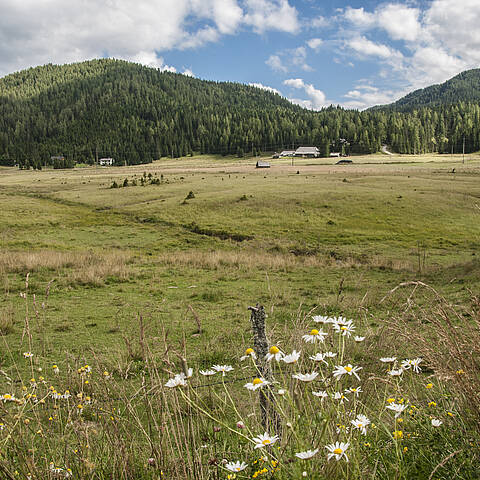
(106,161)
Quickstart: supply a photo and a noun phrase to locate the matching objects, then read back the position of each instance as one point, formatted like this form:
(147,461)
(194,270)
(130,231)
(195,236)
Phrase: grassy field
(312,237)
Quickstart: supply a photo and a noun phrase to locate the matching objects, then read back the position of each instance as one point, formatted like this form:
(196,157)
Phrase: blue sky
(349,52)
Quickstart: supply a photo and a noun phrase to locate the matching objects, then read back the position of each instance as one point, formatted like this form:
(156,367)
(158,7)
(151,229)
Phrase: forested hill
(136,114)
(465,87)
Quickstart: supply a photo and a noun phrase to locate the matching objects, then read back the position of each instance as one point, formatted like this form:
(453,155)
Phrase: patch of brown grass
(86,268)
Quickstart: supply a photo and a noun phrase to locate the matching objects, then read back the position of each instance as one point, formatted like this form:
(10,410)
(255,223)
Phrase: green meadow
(174,259)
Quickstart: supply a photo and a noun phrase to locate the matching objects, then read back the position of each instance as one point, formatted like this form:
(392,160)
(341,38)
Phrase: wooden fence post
(269,416)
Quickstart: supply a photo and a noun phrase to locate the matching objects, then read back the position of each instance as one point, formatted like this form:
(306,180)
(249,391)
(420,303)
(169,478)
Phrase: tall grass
(90,417)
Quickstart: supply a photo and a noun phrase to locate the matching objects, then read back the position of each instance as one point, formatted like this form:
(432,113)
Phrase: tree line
(137,114)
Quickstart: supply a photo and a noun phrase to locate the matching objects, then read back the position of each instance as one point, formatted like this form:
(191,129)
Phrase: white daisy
(257,383)
(315,336)
(398,408)
(388,359)
(28,354)
(292,357)
(436,423)
(340,396)
(355,390)
(344,327)
(413,364)
(320,357)
(361,423)
(358,339)
(321,394)
(337,450)
(177,380)
(305,377)
(222,368)
(249,353)
(395,373)
(349,369)
(274,353)
(306,455)
(236,466)
(322,319)
(264,440)
(207,373)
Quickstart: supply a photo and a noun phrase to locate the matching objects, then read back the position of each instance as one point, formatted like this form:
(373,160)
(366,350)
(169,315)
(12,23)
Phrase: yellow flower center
(266,441)
(397,434)
(338,451)
(343,328)
(248,351)
(314,332)
(274,350)
(390,400)
(7,396)
(257,381)
(348,369)
(429,385)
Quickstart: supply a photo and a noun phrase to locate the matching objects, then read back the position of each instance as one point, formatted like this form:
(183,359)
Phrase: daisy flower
(436,423)
(315,336)
(305,377)
(207,373)
(344,327)
(56,370)
(257,383)
(358,339)
(322,319)
(388,359)
(397,408)
(249,353)
(395,373)
(28,354)
(320,357)
(361,423)
(264,440)
(306,455)
(354,390)
(337,450)
(321,394)
(222,368)
(236,466)
(292,357)
(413,364)
(340,396)
(274,353)
(349,369)
(177,380)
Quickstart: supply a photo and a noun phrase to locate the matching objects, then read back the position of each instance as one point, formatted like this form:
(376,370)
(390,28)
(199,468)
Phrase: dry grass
(85,268)
(7,319)
(246,260)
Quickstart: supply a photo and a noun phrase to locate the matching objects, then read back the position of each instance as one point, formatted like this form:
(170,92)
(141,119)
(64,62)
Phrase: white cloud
(188,72)
(364,96)
(34,32)
(150,59)
(275,63)
(436,42)
(319,22)
(315,43)
(265,15)
(364,46)
(265,87)
(316,98)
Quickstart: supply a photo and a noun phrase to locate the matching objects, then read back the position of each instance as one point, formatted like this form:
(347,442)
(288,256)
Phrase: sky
(355,53)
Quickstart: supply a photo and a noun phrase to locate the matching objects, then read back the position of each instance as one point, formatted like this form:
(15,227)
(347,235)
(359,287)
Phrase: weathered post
(269,416)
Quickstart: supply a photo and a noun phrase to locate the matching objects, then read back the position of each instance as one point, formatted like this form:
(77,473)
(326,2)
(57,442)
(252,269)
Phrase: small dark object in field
(344,180)
(125,182)
(243,198)
(114,184)
(399,196)
(190,195)
(330,222)
(298,172)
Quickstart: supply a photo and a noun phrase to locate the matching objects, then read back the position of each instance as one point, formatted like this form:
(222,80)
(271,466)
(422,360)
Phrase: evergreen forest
(63,115)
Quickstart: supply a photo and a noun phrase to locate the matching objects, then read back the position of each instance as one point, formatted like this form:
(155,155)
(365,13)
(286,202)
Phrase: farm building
(307,152)
(106,161)
(285,153)
(262,164)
